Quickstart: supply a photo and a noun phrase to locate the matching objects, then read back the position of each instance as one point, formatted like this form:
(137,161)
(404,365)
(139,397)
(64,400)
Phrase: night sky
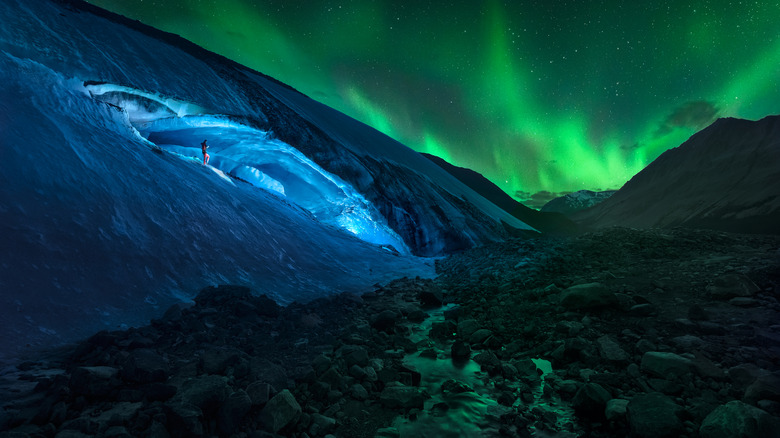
(541,97)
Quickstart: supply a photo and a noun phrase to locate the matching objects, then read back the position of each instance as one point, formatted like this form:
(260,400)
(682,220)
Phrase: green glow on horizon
(534,96)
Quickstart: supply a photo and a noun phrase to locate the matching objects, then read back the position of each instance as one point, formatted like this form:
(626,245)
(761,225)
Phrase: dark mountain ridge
(546,222)
(725,177)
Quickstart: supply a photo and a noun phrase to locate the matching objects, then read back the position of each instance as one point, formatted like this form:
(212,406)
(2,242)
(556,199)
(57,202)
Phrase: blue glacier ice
(99,231)
(253,156)
(109,216)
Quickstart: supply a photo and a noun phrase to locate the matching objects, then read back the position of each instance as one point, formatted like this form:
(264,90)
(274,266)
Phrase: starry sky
(541,97)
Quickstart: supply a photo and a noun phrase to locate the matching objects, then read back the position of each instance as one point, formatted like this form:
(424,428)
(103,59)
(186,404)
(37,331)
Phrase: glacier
(99,231)
(109,216)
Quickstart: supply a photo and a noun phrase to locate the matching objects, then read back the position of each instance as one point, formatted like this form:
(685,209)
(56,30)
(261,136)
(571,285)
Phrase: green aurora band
(540,97)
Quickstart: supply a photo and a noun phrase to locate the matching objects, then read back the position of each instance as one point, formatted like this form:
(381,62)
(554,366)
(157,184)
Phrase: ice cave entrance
(253,156)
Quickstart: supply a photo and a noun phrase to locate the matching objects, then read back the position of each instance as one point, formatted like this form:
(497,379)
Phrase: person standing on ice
(203,147)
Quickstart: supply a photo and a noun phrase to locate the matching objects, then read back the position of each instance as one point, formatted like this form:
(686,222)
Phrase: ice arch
(253,156)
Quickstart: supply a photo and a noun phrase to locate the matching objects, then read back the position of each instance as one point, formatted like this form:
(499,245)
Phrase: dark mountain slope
(542,221)
(725,177)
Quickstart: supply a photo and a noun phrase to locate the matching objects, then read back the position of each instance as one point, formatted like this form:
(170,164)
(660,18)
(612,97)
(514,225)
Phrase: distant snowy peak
(576,201)
(725,177)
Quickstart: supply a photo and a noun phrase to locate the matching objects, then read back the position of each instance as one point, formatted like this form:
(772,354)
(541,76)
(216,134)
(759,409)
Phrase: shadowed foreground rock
(233,364)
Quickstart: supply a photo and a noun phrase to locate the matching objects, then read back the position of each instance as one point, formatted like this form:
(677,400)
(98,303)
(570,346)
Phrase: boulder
(743,375)
(386,320)
(353,355)
(616,409)
(359,392)
(232,412)
(588,296)
(449,387)
(94,381)
(387,432)
(466,327)
(184,419)
(736,419)
(259,393)
(744,302)
(281,411)
(610,350)
(479,336)
(144,366)
(688,342)
(321,364)
(591,400)
(357,372)
(431,297)
(207,392)
(216,360)
(401,396)
(665,365)
(117,432)
(321,425)
(460,351)
(158,391)
(266,371)
(732,285)
(654,415)
(332,377)
(644,309)
(765,387)
(488,362)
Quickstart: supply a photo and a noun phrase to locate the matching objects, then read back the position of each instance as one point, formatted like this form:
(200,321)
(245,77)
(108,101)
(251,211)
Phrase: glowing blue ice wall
(251,155)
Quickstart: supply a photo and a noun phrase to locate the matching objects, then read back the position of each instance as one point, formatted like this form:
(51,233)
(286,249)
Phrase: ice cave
(250,155)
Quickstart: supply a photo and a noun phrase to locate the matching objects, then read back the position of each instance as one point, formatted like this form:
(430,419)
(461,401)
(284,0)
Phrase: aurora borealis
(540,97)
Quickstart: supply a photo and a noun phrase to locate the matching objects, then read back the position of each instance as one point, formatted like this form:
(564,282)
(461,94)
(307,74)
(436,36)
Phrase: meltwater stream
(471,408)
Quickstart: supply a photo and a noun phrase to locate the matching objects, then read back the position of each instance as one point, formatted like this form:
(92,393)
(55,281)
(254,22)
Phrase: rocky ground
(662,333)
